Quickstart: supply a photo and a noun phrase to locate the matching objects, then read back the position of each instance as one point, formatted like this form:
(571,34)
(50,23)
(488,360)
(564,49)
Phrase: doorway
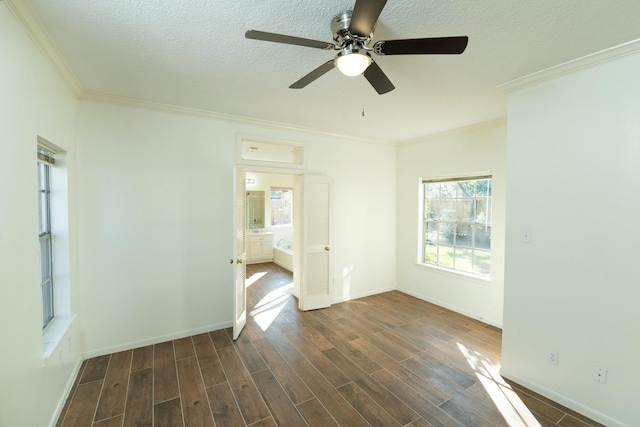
(271,230)
(270,235)
(306,238)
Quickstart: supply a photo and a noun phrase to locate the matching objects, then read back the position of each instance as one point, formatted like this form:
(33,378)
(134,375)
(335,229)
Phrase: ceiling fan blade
(378,79)
(281,38)
(318,72)
(426,46)
(364,16)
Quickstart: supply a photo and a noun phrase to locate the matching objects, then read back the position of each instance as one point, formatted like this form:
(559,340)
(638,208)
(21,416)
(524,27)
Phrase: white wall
(364,197)
(476,149)
(574,181)
(155,220)
(34,101)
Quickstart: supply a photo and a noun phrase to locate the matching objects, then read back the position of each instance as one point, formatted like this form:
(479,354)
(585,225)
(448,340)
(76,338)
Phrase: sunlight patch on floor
(268,308)
(254,278)
(514,411)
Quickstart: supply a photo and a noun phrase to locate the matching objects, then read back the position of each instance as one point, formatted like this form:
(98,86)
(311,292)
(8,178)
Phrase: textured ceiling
(193,54)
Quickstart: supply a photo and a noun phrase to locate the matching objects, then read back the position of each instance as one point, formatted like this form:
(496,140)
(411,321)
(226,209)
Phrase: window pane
(464,259)
(483,188)
(481,262)
(448,189)
(465,189)
(41,216)
(47,303)
(482,237)
(464,235)
(482,212)
(44,200)
(446,232)
(41,176)
(448,209)
(431,232)
(465,210)
(45,258)
(432,191)
(431,253)
(445,256)
(432,209)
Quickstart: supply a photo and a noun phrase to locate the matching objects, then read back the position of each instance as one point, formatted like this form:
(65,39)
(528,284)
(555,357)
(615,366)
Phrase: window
(45,160)
(281,206)
(260,152)
(53,233)
(457,224)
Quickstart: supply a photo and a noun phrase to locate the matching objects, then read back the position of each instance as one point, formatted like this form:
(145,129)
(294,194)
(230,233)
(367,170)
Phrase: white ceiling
(193,54)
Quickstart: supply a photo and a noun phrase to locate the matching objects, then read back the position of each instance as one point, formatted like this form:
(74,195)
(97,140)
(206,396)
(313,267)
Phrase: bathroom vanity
(259,247)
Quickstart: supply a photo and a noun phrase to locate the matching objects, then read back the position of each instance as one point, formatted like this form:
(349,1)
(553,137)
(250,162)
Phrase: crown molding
(572,66)
(156,106)
(30,23)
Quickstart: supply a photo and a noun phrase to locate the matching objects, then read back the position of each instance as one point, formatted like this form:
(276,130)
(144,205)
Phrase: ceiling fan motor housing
(340,30)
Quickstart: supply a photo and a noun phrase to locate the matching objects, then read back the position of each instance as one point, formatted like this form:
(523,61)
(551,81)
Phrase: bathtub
(283,256)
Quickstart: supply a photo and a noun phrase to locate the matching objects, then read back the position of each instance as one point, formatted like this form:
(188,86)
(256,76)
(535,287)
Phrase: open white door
(238,261)
(315,284)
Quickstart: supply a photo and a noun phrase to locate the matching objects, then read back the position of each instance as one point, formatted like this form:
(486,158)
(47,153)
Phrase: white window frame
(63,318)
(426,237)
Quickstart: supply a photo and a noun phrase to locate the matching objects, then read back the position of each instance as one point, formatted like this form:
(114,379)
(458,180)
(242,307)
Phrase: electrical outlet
(600,375)
(552,357)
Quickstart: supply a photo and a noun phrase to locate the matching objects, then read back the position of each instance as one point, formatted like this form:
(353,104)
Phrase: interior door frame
(296,173)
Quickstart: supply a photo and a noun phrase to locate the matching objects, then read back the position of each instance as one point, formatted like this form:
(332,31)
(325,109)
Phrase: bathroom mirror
(255,209)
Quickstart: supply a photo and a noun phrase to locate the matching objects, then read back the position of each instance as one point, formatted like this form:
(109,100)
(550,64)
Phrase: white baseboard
(154,340)
(361,295)
(65,395)
(492,322)
(563,400)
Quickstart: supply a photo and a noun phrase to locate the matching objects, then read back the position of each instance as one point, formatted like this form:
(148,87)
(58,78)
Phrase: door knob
(327,248)
(239,261)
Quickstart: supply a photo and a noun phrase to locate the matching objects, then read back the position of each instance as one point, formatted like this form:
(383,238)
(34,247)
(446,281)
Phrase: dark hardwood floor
(383,360)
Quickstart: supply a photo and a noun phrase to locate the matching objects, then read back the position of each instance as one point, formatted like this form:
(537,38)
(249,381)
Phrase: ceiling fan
(352,34)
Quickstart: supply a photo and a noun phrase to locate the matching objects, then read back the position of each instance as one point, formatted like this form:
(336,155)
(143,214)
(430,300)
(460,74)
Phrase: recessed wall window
(45,162)
(281,206)
(456,226)
(53,235)
(254,151)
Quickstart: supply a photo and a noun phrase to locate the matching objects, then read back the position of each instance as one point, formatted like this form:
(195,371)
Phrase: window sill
(483,280)
(52,335)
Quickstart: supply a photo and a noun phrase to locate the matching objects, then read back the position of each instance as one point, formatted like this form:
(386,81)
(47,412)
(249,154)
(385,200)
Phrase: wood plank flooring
(384,360)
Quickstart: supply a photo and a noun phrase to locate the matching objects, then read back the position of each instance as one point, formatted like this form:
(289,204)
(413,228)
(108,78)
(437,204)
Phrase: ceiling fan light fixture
(352,63)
